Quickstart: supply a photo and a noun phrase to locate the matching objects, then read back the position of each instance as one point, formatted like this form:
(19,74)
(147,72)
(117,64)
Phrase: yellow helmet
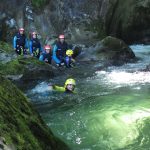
(70,81)
(69,52)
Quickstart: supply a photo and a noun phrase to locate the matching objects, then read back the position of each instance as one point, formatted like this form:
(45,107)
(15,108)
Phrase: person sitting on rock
(59,50)
(35,46)
(46,56)
(69,61)
(69,86)
(20,42)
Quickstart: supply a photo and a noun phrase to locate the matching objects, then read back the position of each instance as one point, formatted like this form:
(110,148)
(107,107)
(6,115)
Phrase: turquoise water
(111,110)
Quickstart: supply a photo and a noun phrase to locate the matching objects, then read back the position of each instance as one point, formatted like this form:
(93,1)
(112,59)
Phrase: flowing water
(111,110)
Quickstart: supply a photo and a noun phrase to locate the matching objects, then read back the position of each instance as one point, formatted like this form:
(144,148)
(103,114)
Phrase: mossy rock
(39,4)
(114,51)
(5,47)
(20,124)
(12,68)
(114,44)
(28,68)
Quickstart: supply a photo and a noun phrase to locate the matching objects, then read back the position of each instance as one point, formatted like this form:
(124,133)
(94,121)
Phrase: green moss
(12,68)
(39,3)
(29,61)
(113,43)
(19,65)
(5,47)
(20,125)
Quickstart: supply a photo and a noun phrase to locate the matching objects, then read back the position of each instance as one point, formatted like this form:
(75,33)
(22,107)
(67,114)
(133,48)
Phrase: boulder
(26,69)
(113,51)
(107,52)
(20,125)
(146,69)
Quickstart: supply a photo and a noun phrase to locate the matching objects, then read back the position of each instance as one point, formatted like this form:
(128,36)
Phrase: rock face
(129,20)
(20,126)
(80,20)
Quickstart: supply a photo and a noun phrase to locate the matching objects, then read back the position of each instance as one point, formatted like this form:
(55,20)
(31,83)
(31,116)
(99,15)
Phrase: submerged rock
(147,68)
(20,125)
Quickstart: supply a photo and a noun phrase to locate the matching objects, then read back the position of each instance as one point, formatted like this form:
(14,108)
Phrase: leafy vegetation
(39,3)
(5,47)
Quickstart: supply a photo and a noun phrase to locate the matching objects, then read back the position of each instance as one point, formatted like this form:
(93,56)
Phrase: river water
(111,110)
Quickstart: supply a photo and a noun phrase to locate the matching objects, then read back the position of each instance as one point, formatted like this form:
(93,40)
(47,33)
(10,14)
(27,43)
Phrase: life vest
(61,49)
(68,61)
(62,89)
(47,57)
(21,40)
(35,44)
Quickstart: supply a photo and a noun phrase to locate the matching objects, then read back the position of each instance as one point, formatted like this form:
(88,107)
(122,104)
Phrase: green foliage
(39,3)
(15,116)
(12,68)
(5,47)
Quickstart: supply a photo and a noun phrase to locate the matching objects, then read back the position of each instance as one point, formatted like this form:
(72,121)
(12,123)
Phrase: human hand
(58,65)
(62,64)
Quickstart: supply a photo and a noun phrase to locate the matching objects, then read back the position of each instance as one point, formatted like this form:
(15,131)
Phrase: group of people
(60,53)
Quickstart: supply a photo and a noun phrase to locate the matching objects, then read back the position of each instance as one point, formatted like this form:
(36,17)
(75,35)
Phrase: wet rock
(5,146)
(26,69)
(76,50)
(146,69)
(109,51)
(29,13)
(114,51)
(21,125)
(4,58)
(129,20)
(11,23)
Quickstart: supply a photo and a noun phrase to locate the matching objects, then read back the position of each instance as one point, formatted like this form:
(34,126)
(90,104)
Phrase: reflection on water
(125,78)
(110,112)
